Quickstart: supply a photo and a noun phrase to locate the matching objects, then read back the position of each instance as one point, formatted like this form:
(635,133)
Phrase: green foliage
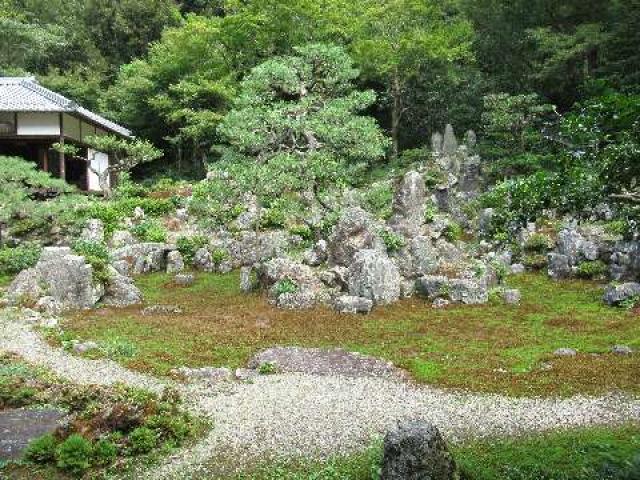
(267,368)
(119,348)
(535,261)
(286,285)
(104,452)
(392,241)
(537,243)
(188,246)
(453,231)
(592,269)
(303,231)
(150,230)
(42,449)
(631,302)
(14,260)
(142,440)
(97,255)
(219,255)
(74,454)
(378,198)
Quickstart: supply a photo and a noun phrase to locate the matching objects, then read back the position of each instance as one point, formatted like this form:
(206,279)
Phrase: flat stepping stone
(317,361)
(18,427)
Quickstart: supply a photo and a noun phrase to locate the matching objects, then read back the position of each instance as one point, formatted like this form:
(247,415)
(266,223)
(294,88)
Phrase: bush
(378,199)
(286,285)
(267,368)
(97,255)
(119,348)
(535,261)
(150,231)
(14,260)
(538,243)
(273,217)
(302,231)
(104,452)
(219,255)
(592,270)
(170,425)
(453,232)
(42,449)
(74,454)
(142,440)
(392,241)
(188,246)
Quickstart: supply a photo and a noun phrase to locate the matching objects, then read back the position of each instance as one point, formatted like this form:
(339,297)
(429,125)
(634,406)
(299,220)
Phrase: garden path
(289,415)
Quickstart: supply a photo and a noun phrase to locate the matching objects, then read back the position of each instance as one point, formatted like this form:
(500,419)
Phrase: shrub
(97,255)
(219,255)
(267,368)
(302,231)
(378,199)
(42,449)
(453,232)
(273,217)
(14,260)
(430,212)
(592,270)
(535,261)
(188,246)
(150,231)
(286,285)
(171,425)
(74,454)
(142,440)
(538,243)
(119,348)
(392,241)
(104,452)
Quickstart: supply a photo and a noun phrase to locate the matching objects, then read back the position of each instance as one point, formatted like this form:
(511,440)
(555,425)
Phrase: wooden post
(45,159)
(63,174)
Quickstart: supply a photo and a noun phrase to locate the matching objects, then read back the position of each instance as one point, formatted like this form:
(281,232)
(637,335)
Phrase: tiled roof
(24,94)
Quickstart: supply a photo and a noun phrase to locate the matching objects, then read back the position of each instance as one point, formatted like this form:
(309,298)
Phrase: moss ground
(493,348)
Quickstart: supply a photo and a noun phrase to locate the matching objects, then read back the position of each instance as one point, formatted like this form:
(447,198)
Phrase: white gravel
(293,415)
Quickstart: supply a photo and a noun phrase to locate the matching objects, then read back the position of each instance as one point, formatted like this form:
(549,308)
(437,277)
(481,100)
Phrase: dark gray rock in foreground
(19,427)
(616,294)
(415,450)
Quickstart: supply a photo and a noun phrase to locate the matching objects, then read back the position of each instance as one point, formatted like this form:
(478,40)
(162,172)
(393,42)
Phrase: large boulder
(408,205)
(59,274)
(374,276)
(416,450)
(467,291)
(290,284)
(559,266)
(175,262)
(417,257)
(143,257)
(120,291)
(616,294)
(251,247)
(356,230)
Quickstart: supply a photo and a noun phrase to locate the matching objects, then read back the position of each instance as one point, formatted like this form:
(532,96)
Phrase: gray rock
(416,450)
(468,292)
(246,283)
(565,352)
(182,214)
(559,266)
(300,300)
(162,310)
(120,291)
(374,276)
(202,260)
(351,304)
(121,238)
(93,231)
(408,205)
(570,243)
(433,286)
(511,296)
(616,294)
(204,374)
(184,279)
(143,257)
(21,426)
(138,214)
(417,258)
(246,374)
(309,290)
(84,347)
(356,230)
(449,142)
(175,263)
(49,305)
(251,247)
(517,268)
(440,303)
(485,220)
(122,267)
(317,255)
(621,350)
(59,274)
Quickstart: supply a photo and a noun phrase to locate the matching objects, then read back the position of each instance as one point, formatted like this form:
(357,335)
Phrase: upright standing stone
(408,205)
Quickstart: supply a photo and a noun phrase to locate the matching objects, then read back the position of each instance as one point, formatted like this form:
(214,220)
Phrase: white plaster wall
(36,123)
(99,162)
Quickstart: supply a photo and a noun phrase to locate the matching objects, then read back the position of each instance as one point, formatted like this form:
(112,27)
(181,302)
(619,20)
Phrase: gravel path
(315,416)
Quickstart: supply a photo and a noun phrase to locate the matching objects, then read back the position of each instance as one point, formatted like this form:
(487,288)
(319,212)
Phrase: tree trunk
(396,115)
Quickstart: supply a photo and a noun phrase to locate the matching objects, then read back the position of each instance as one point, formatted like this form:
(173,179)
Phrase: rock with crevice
(356,230)
(373,275)
(408,205)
